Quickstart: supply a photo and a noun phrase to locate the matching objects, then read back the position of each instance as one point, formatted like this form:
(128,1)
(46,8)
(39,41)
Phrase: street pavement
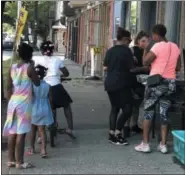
(7,54)
(91,153)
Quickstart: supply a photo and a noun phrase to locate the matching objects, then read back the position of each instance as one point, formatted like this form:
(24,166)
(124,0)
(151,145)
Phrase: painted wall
(116,15)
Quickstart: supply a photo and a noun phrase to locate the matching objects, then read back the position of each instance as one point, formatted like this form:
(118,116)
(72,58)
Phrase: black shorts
(60,97)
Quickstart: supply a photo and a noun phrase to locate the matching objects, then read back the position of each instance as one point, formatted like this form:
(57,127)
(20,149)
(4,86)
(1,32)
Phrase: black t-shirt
(119,61)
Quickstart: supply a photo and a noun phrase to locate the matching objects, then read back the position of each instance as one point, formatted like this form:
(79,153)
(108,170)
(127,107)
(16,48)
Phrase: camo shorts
(159,95)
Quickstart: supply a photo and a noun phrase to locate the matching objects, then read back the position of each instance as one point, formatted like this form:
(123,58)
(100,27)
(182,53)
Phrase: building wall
(175,31)
(117,15)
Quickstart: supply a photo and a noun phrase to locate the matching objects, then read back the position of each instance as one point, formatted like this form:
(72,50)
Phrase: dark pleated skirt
(60,97)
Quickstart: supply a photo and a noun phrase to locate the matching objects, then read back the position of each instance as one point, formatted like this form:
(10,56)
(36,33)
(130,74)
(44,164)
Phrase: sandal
(24,166)
(71,135)
(10,164)
(30,152)
(61,131)
(44,156)
(64,131)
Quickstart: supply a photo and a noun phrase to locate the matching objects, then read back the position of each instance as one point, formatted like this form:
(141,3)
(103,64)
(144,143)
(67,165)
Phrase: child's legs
(69,117)
(19,151)
(33,136)
(43,139)
(11,147)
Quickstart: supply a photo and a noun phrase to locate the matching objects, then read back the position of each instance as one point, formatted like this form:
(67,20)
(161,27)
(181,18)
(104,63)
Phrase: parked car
(7,45)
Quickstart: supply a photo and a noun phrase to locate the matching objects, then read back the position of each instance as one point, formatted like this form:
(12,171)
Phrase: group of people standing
(155,56)
(34,92)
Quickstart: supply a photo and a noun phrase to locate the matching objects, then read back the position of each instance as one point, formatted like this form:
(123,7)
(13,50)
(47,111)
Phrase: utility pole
(19,5)
(35,23)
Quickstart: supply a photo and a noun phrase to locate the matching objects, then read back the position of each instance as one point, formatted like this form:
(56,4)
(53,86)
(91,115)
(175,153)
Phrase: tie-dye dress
(19,107)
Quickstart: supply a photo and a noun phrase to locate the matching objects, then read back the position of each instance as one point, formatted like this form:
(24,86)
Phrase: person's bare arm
(33,75)
(9,85)
(148,58)
(178,67)
(64,71)
(144,69)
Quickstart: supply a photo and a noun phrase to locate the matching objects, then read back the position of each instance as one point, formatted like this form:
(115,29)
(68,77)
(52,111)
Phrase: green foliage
(8,28)
(133,17)
(10,15)
(133,12)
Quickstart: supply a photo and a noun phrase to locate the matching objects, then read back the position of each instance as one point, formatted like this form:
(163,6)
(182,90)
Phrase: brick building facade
(94,26)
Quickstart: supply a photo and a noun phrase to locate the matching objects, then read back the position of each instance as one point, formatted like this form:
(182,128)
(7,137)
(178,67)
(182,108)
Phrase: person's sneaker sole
(149,151)
(117,143)
(163,152)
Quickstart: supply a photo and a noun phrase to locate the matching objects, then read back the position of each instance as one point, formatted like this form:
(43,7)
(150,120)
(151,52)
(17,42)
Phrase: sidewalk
(75,69)
(91,153)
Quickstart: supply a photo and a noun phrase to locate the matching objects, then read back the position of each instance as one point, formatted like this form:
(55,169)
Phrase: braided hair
(41,71)
(47,48)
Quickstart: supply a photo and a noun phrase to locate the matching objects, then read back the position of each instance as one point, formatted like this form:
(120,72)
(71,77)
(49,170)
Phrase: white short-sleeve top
(54,64)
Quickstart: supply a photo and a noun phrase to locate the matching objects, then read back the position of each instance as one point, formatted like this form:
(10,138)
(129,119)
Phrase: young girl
(60,97)
(19,91)
(41,111)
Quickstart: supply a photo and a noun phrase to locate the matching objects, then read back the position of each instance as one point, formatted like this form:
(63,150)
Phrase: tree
(10,15)
(7,28)
(133,18)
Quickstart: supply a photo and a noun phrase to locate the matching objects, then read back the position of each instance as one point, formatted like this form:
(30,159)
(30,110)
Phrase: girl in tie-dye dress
(19,91)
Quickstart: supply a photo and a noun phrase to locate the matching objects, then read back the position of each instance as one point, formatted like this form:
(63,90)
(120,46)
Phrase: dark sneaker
(112,138)
(120,140)
(136,129)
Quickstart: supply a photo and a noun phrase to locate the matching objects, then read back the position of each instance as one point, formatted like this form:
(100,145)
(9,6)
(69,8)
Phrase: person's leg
(123,117)
(19,151)
(43,140)
(134,120)
(164,107)
(149,111)
(113,119)
(11,149)
(33,137)
(69,117)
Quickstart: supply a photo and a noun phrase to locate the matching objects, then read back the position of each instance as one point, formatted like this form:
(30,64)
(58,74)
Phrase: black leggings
(117,123)
(121,99)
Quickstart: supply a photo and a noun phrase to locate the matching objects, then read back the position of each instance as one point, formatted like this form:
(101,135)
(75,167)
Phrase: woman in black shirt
(141,41)
(118,62)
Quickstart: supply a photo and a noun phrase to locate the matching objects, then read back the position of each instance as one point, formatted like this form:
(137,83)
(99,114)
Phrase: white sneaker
(143,147)
(162,148)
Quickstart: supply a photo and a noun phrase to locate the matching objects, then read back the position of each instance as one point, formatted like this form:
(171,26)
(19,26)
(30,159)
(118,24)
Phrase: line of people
(34,92)
(157,57)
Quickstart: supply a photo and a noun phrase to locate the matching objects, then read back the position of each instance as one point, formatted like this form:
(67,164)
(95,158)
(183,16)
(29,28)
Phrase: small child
(42,115)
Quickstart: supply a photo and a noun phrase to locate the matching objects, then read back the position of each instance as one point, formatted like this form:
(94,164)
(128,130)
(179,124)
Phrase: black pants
(120,99)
